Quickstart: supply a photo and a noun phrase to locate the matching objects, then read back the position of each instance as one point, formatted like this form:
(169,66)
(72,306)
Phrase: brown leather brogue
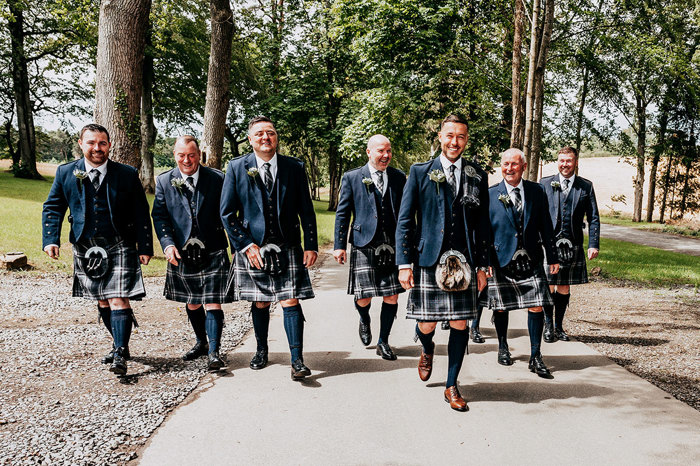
(455,400)
(425,366)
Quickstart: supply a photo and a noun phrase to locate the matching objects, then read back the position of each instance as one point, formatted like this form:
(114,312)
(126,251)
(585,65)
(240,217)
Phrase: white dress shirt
(273,167)
(102,169)
(446,167)
(512,196)
(375,177)
(571,183)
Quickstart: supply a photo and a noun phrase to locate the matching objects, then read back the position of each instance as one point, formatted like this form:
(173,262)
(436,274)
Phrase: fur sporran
(453,272)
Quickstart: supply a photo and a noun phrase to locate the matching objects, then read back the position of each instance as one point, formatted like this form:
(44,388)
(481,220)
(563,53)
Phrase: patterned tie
(452,180)
(190,185)
(95,178)
(268,177)
(518,200)
(380,182)
(566,187)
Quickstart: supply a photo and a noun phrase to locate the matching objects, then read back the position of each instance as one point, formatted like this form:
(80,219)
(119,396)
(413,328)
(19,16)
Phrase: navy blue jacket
(421,225)
(128,207)
(358,201)
(172,217)
(242,203)
(537,229)
(583,202)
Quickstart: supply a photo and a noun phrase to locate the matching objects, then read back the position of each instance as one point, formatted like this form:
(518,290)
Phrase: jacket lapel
(111,180)
(437,165)
(202,186)
(183,198)
(282,180)
(80,165)
(368,190)
(527,208)
(575,192)
(510,208)
(254,184)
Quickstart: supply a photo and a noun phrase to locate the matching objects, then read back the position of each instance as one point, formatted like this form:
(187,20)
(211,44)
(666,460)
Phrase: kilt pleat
(427,302)
(507,294)
(366,281)
(574,274)
(123,280)
(207,286)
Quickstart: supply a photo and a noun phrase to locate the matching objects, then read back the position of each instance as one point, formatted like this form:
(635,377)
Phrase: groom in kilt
(110,232)
(188,225)
(264,201)
(371,196)
(521,228)
(571,197)
(442,241)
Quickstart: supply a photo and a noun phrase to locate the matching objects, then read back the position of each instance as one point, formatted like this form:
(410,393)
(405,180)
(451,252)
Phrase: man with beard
(371,195)
(188,225)
(264,200)
(571,197)
(110,233)
(442,241)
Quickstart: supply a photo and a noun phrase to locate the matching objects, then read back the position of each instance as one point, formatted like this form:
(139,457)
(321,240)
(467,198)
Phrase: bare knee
(535,309)
(391,299)
(458,324)
(212,307)
(563,289)
(119,303)
(364,302)
(427,327)
(192,307)
(103,303)
(262,304)
(289,302)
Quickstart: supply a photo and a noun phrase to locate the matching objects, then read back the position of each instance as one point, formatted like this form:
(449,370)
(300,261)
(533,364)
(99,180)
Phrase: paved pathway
(666,241)
(359,409)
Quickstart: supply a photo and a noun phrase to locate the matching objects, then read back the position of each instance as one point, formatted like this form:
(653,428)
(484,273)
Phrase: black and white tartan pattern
(250,284)
(507,294)
(575,274)
(205,287)
(427,302)
(123,280)
(365,281)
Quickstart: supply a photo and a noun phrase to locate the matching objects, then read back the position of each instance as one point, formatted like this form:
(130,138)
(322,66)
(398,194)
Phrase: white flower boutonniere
(556,186)
(505,199)
(253,172)
(367,182)
(80,175)
(438,176)
(178,183)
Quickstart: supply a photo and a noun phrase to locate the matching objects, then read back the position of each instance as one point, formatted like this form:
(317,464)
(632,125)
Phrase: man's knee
(118,303)
(289,302)
(364,302)
(427,327)
(103,303)
(458,324)
(262,304)
(563,289)
(391,299)
(212,307)
(535,309)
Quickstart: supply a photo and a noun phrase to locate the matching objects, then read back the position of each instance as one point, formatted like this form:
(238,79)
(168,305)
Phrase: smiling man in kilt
(521,227)
(188,225)
(110,233)
(264,201)
(571,197)
(444,219)
(371,195)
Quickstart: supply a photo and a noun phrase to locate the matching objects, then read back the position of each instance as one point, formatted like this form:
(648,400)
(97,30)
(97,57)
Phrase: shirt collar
(272,162)
(195,176)
(511,188)
(372,170)
(571,179)
(446,163)
(102,168)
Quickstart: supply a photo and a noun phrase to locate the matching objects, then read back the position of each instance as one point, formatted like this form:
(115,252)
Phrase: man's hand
(310,258)
(172,255)
(144,259)
(553,269)
(406,278)
(254,257)
(340,256)
(592,253)
(481,280)
(52,251)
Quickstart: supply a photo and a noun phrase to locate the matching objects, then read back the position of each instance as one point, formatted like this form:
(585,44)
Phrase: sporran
(194,255)
(96,262)
(453,272)
(520,266)
(274,262)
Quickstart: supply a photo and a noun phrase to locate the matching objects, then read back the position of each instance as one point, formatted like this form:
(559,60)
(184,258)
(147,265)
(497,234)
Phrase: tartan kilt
(205,287)
(575,274)
(427,302)
(250,284)
(123,280)
(507,294)
(365,281)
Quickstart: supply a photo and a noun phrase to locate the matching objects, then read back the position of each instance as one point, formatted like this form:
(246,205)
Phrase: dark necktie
(380,182)
(190,186)
(452,180)
(268,177)
(566,187)
(518,200)
(95,178)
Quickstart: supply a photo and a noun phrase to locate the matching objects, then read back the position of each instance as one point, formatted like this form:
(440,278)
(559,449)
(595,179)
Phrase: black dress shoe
(118,366)
(561,334)
(445,325)
(537,366)
(504,357)
(548,334)
(365,333)
(259,360)
(109,357)
(476,336)
(299,370)
(384,350)
(215,362)
(199,349)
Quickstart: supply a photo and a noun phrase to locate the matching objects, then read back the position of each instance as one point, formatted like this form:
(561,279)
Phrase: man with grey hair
(371,196)
(521,227)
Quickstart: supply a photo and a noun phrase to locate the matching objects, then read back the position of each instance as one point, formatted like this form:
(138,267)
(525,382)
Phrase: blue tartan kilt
(427,302)
(247,283)
(366,281)
(574,274)
(507,294)
(123,279)
(207,286)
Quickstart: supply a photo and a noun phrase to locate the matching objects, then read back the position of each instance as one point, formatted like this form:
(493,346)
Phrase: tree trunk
(641,110)
(530,98)
(658,150)
(216,109)
(14,154)
(666,187)
(581,107)
(148,128)
(517,128)
(120,53)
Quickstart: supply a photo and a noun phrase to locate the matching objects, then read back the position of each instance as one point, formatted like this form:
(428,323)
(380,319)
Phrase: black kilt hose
(508,294)
(366,281)
(247,283)
(123,279)
(574,274)
(427,302)
(207,286)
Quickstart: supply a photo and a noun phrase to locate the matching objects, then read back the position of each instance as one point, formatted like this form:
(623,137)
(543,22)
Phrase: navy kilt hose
(574,274)
(246,283)
(123,279)
(507,294)
(427,302)
(366,281)
(207,286)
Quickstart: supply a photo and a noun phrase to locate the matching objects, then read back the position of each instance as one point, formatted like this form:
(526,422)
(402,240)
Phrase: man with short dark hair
(264,201)
(110,233)
(571,197)
(188,225)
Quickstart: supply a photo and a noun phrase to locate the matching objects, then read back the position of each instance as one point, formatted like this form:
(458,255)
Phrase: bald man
(368,208)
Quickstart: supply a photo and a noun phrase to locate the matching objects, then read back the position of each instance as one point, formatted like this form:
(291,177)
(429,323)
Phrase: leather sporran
(520,266)
(274,259)
(96,262)
(194,255)
(565,251)
(453,272)
(383,258)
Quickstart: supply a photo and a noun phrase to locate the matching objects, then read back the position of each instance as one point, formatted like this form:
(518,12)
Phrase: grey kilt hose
(574,274)
(207,286)
(247,283)
(123,279)
(427,302)
(366,281)
(507,294)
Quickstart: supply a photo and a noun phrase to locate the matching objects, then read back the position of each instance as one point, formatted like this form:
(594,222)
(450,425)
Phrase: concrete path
(665,241)
(359,409)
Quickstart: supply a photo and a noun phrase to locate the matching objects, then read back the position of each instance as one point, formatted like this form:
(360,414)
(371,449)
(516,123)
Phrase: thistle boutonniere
(438,176)
(556,186)
(253,172)
(80,175)
(178,183)
(505,199)
(367,182)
